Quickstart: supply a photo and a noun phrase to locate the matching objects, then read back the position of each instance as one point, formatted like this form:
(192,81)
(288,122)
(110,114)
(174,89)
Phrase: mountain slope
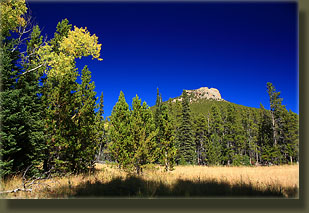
(201,101)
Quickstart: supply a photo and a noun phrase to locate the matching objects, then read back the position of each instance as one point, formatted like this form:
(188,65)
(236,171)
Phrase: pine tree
(167,146)
(214,143)
(265,137)
(100,128)
(292,136)
(60,113)
(85,148)
(143,133)
(229,134)
(120,138)
(158,119)
(10,109)
(158,110)
(63,111)
(250,125)
(20,112)
(60,106)
(31,106)
(186,142)
(62,30)
(201,138)
(277,111)
(290,129)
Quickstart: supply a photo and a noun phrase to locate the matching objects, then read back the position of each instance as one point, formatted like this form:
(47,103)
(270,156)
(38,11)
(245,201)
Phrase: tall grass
(184,181)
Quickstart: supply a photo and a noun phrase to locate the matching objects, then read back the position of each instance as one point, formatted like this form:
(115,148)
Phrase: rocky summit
(203,93)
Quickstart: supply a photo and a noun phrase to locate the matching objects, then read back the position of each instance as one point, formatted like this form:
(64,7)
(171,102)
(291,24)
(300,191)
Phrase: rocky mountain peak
(203,93)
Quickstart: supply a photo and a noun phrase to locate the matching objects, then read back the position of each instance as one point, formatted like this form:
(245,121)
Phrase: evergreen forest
(52,121)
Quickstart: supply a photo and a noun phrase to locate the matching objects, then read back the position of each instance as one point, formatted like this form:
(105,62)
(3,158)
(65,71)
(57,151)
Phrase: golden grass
(184,181)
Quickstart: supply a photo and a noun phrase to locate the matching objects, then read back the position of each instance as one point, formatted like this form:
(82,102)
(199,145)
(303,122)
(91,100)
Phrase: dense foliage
(22,137)
(186,146)
(231,134)
(50,119)
(47,118)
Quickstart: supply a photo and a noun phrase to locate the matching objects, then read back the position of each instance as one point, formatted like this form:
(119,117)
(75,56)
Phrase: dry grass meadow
(184,181)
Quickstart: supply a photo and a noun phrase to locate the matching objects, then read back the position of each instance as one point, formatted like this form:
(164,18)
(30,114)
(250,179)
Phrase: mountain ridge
(202,93)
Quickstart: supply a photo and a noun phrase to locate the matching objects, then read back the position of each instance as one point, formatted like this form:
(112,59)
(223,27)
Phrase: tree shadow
(135,186)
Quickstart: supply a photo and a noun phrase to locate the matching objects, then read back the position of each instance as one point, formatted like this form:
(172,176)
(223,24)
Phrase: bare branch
(33,69)
(26,55)
(28,185)
(24,175)
(16,190)
(23,30)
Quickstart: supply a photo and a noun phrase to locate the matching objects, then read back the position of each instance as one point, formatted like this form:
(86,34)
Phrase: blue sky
(234,47)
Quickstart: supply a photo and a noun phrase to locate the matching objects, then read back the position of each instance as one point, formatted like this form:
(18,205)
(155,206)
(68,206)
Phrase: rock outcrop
(203,93)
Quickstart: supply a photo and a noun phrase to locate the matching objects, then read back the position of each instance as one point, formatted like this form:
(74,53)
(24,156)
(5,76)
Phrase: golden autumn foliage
(11,14)
(78,43)
(57,64)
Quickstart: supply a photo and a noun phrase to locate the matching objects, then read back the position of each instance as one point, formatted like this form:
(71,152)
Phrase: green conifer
(100,128)
(292,137)
(22,138)
(85,147)
(10,113)
(214,147)
(186,142)
(143,133)
(265,137)
(61,103)
(201,138)
(167,146)
(120,138)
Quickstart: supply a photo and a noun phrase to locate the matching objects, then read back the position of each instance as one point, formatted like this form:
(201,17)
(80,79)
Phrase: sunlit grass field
(184,181)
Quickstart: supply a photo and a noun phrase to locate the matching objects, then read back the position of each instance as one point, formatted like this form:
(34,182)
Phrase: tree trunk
(198,155)
(273,127)
(166,163)
(137,170)
(99,154)
(257,156)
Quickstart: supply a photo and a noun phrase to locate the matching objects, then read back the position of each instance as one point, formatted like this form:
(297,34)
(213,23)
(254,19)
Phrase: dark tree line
(230,135)
(49,121)
(226,134)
